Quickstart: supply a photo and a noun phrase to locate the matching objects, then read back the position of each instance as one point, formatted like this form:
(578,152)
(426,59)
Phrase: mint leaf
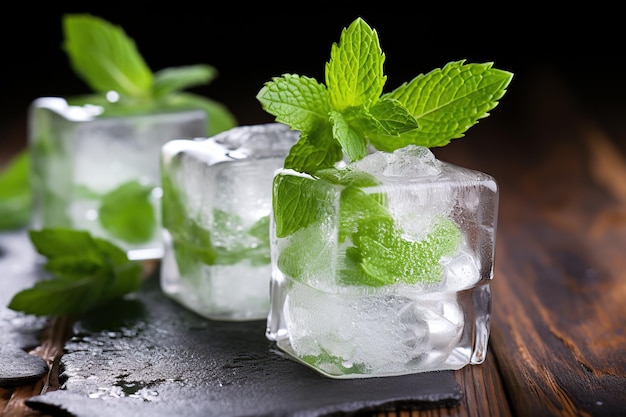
(446,103)
(354,74)
(193,244)
(388,117)
(219,118)
(298,101)
(384,257)
(298,202)
(59,243)
(313,152)
(15,193)
(170,80)
(104,56)
(86,273)
(127,213)
(352,142)
(324,360)
(307,251)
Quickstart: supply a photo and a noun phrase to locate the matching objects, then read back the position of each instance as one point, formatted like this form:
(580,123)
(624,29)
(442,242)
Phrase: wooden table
(558,340)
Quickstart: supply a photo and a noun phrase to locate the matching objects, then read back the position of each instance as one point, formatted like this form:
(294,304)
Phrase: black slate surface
(18,332)
(148,356)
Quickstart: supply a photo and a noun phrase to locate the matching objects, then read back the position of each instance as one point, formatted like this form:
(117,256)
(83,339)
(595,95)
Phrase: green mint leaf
(107,60)
(354,145)
(392,117)
(307,251)
(105,57)
(127,213)
(347,177)
(86,273)
(15,193)
(354,74)
(261,230)
(169,80)
(297,202)
(313,152)
(60,242)
(325,361)
(190,241)
(193,244)
(57,297)
(447,102)
(219,118)
(355,206)
(297,101)
(385,257)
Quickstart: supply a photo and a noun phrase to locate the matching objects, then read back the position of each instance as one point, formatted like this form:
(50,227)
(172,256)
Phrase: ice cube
(217,203)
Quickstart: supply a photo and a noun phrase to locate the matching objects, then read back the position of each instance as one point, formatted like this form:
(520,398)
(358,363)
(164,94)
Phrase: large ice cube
(403,283)
(216,208)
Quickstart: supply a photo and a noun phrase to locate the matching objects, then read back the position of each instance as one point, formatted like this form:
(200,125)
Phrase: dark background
(250,44)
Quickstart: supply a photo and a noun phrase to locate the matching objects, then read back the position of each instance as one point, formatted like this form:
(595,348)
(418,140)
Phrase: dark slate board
(18,332)
(148,356)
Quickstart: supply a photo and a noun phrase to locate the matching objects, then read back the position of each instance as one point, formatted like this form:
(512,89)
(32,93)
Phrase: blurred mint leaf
(105,57)
(169,80)
(15,193)
(127,213)
(219,118)
(86,273)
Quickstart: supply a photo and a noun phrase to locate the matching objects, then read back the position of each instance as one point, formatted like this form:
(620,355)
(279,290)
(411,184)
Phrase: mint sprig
(86,273)
(350,111)
(106,59)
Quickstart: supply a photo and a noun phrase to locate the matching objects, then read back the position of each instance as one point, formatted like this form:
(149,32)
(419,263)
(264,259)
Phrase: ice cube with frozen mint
(395,234)
(216,226)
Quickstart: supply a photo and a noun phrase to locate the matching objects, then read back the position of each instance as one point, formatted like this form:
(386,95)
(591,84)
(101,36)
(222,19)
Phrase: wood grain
(559,310)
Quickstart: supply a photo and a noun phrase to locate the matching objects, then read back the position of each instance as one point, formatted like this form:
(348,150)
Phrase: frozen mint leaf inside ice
(299,201)
(385,257)
(307,253)
(325,360)
(127,213)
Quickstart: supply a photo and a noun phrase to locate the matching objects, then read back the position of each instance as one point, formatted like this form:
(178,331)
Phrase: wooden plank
(559,310)
(483,395)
